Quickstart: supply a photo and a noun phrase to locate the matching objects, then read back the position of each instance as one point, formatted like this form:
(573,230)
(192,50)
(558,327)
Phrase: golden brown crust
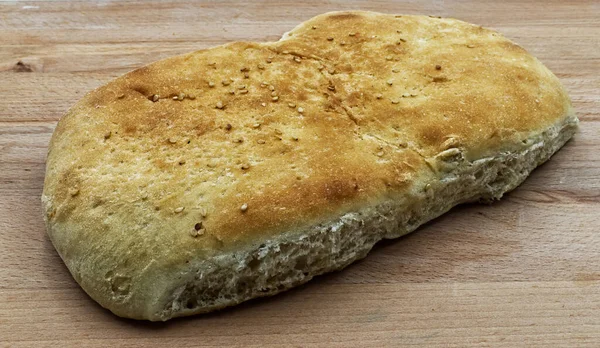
(224,147)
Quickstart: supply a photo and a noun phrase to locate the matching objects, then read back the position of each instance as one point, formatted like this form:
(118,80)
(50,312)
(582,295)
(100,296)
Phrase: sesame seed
(351,34)
(314,27)
(238,140)
(273,94)
(300,109)
(263,104)
(198,230)
(244,69)
(291,105)
(172,140)
(390,82)
(246,75)
(260,141)
(414,94)
(219,105)
(470,46)
(228,126)
(175,97)
(244,91)
(395,102)
(395,70)
(295,138)
(403,40)
(73,192)
(191,96)
(264,84)
(211,84)
(178,210)
(245,166)
(256,125)
(438,67)
(331,88)
(286,52)
(181,96)
(181,162)
(275,98)
(244,207)
(331,71)
(342,43)
(212,63)
(380,153)
(260,66)
(405,95)
(107,135)
(155,98)
(225,82)
(232,91)
(121,96)
(242,87)
(202,211)
(389,58)
(269,59)
(297,59)
(329,38)
(379,96)
(272,88)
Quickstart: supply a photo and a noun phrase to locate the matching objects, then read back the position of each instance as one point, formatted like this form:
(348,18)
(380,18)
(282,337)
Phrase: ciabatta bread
(240,171)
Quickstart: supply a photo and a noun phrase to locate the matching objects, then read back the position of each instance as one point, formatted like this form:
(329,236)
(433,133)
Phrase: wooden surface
(522,272)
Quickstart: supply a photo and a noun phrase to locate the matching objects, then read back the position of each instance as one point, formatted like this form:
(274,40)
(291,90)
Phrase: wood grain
(524,272)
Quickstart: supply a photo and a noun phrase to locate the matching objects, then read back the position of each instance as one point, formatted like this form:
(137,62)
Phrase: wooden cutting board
(522,272)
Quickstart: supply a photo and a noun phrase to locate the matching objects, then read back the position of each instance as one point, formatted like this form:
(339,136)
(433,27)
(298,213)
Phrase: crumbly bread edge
(296,257)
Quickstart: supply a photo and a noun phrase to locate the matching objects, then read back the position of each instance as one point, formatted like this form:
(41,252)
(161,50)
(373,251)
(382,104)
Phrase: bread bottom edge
(296,257)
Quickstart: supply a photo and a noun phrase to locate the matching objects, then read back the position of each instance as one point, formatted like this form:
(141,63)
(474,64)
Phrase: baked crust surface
(220,150)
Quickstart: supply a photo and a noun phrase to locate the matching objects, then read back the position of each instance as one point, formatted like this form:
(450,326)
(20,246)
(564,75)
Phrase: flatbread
(207,179)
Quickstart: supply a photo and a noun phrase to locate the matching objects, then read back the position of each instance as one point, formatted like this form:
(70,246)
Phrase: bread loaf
(207,179)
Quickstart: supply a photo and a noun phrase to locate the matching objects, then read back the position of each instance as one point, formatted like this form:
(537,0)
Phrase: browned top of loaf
(348,109)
